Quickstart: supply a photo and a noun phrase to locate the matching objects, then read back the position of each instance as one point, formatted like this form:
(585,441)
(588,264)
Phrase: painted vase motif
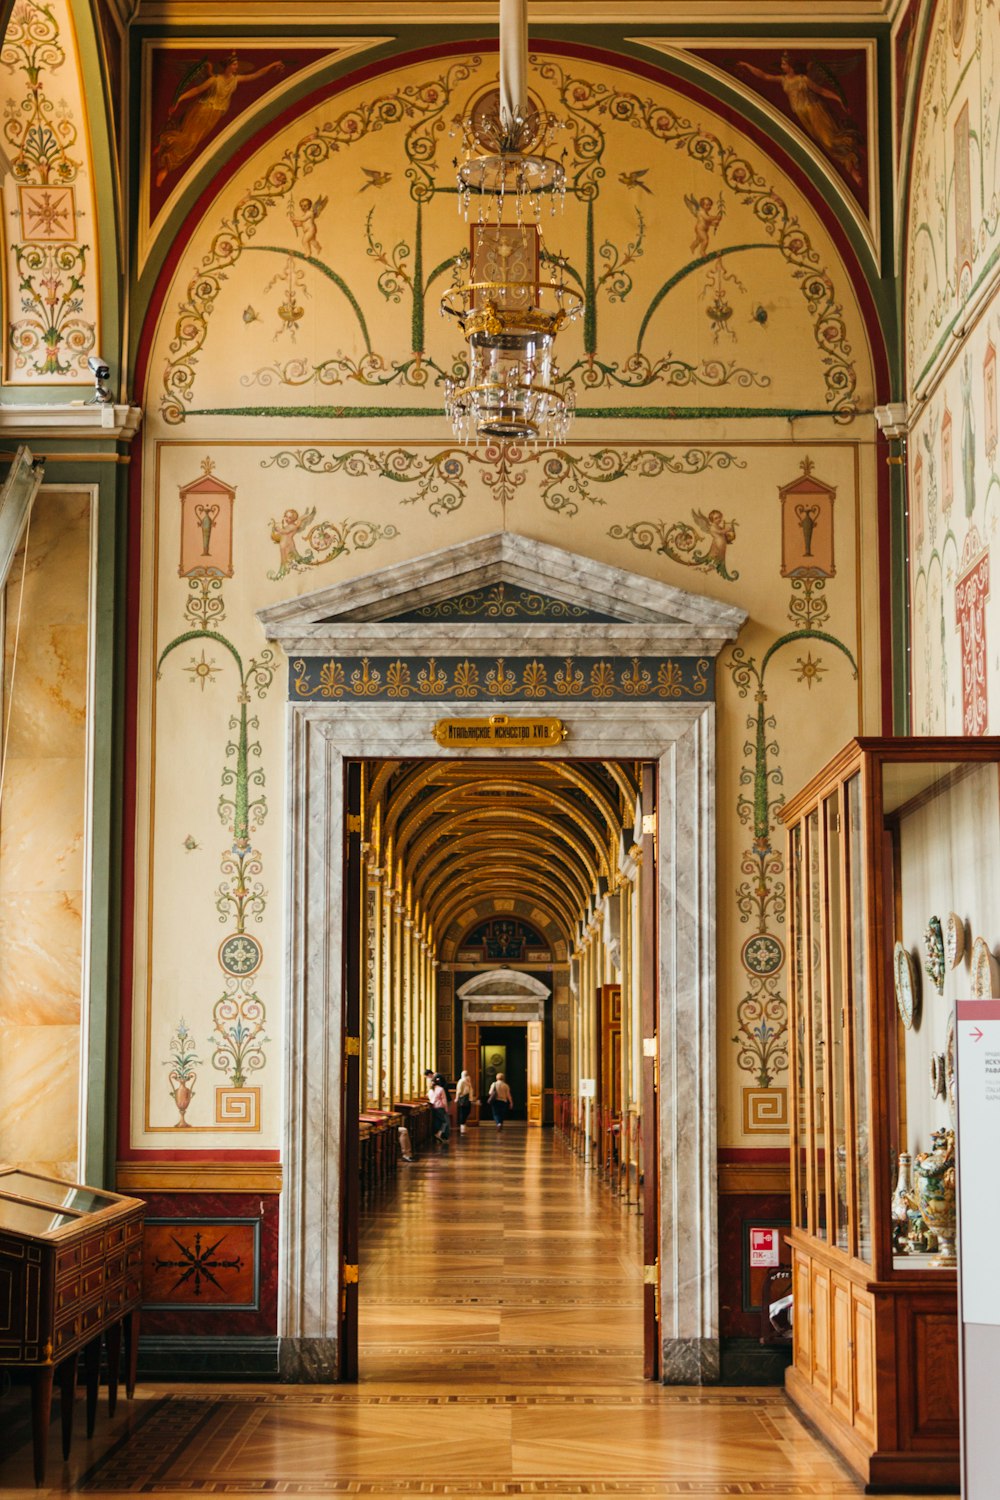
(935,1193)
(182,1098)
(182,1074)
(934,953)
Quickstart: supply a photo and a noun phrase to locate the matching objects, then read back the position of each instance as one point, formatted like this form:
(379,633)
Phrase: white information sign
(588,1088)
(978,1029)
(978,1097)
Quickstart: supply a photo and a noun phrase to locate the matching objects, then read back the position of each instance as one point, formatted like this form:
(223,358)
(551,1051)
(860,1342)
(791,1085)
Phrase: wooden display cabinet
(70,1276)
(890,833)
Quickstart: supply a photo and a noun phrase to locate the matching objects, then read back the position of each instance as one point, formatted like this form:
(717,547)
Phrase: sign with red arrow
(978,1095)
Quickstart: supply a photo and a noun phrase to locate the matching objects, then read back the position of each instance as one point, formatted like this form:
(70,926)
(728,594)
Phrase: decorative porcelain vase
(934,953)
(935,1193)
(902,1202)
(916,1233)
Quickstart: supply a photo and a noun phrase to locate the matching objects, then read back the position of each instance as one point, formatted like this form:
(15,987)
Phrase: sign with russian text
(764,1247)
(499,732)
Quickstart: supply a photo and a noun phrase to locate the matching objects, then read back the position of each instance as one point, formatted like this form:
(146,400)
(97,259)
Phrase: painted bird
(375,179)
(634,179)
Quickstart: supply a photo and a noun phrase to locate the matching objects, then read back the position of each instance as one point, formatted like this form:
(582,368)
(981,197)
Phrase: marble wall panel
(40,938)
(42,835)
(39,1093)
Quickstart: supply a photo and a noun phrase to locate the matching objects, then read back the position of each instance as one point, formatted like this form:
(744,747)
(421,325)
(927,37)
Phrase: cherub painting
(707,218)
(721,534)
(284,532)
(810,92)
(201,100)
(304,222)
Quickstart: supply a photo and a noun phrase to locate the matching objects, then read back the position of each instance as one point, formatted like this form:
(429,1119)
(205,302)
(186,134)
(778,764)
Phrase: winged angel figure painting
(811,91)
(202,98)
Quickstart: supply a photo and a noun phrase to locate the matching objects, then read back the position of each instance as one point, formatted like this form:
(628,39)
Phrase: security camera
(100,372)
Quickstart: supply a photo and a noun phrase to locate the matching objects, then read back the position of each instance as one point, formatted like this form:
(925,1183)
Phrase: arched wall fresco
(294,435)
(953,335)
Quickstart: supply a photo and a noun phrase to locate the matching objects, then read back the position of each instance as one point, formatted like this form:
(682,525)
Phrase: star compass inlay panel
(202,1263)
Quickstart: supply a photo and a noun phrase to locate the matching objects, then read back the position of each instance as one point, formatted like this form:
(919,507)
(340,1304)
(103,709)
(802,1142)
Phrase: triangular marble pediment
(505,602)
(406,601)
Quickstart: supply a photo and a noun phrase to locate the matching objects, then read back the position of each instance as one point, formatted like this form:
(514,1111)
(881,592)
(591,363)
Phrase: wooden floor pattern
(500,1357)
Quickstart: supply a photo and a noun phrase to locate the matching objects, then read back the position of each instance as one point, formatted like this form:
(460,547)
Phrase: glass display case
(70,1278)
(893,866)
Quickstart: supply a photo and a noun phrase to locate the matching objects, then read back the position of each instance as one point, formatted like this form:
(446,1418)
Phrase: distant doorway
(504,1049)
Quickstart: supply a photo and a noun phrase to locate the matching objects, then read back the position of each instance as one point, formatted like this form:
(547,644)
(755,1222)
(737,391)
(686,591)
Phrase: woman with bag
(438,1100)
(500,1100)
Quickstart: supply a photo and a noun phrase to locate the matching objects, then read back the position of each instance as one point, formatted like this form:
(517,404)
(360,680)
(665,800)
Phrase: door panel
(820,1300)
(536,1074)
(842,1347)
(470,1054)
(863,1335)
(354,949)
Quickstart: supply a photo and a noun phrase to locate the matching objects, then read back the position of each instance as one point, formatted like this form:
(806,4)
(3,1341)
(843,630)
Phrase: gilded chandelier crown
(509,314)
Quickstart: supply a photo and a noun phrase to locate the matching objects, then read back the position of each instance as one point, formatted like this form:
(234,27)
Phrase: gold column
(406,951)
(369,1018)
(397,998)
(388,1038)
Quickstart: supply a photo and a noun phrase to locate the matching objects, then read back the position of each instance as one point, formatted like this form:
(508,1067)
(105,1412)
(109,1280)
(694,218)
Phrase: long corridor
(500,1356)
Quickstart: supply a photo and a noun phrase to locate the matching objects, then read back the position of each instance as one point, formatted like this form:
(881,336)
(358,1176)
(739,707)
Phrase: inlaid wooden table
(70,1274)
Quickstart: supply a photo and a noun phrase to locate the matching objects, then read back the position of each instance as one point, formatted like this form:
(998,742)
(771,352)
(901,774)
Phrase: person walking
(438,1097)
(463,1099)
(500,1100)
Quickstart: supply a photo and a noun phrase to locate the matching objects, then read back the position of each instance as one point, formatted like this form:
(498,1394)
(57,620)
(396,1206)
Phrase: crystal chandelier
(508,313)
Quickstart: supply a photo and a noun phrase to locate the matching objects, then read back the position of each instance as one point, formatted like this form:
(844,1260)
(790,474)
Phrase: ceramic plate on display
(984,971)
(937,1075)
(949,1066)
(934,953)
(954,939)
(905,974)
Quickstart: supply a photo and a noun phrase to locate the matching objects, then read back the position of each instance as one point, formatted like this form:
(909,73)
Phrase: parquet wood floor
(500,1355)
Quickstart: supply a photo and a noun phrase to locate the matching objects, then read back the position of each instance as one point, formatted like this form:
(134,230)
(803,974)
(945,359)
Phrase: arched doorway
(369,676)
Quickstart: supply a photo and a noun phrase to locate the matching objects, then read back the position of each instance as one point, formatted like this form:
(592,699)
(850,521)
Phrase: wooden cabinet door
(863,1338)
(841,1347)
(801,1288)
(820,1301)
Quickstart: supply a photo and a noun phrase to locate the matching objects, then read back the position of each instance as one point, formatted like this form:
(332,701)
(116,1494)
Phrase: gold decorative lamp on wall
(508,313)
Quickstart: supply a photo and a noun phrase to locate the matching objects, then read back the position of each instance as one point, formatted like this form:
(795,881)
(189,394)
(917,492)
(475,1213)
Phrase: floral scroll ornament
(182,1064)
(238,1039)
(52,336)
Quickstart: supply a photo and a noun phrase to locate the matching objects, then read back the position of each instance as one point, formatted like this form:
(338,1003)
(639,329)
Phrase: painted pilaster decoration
(807,559)
(50,227)
(238,1039)
(206,544)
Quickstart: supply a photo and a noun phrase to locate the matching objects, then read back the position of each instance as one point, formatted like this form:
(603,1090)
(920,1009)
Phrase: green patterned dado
(502,679)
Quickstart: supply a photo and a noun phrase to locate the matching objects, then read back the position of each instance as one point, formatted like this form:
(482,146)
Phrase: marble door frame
(321,738)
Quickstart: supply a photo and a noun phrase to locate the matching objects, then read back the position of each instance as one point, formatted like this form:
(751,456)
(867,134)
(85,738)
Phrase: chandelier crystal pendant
(509,314)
